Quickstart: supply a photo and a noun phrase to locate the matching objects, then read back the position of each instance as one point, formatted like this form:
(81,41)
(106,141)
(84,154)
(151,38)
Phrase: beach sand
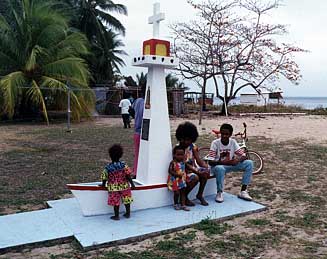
(275,128)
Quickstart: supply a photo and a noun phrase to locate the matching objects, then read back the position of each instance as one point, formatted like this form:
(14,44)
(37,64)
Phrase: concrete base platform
(65,219)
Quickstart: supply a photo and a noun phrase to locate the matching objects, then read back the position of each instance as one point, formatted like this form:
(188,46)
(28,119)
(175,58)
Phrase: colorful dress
(190,160)
(176,183)
(118,187)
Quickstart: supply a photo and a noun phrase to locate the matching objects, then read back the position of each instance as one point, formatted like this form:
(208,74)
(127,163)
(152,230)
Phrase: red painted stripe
(100,188)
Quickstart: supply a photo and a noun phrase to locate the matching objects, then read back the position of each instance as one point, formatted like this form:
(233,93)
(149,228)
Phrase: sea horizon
(309,103)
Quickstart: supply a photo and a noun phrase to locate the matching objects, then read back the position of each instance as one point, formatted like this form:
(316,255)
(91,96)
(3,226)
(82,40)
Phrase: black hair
(227,127)
(178,147)
(187,130)
(142,92)
(116,152)
(126,95)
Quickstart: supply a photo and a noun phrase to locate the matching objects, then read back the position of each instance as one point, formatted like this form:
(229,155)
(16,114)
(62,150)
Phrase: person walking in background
(138,107)
(124,106)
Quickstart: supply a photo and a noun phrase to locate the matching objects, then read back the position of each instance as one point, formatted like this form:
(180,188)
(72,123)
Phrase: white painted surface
(31,227)
(90,231)
(155,19)
(153,60)
(65,219)
(94,203)
(155,153)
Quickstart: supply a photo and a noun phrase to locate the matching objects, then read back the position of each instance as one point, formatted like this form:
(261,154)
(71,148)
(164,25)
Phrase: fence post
(68,109)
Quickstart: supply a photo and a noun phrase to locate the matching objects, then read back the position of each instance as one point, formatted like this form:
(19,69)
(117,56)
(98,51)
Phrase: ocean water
(309,103)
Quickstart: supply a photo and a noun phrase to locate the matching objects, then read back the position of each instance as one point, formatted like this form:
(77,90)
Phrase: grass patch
(257,222)
(246,246)
(168,245)
(115,254)
(49,158)
(175,249)
(308,220)
(185,237)
(281,216)
(210,227)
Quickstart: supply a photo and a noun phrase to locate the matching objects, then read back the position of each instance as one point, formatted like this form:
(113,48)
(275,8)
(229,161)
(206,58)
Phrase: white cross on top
(155,19)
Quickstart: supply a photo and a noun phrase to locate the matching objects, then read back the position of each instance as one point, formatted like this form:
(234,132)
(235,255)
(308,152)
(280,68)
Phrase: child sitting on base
(177,178)
(117,175)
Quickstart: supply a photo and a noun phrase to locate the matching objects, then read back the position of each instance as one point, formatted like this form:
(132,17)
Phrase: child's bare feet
(185,208)
(127,215)
(115,217)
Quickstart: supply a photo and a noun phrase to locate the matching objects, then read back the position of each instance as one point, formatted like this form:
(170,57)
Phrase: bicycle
(250,154)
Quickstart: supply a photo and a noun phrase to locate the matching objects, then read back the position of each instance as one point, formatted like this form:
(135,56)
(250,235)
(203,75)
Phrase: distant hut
(176,101)
(108,97)
(262,98)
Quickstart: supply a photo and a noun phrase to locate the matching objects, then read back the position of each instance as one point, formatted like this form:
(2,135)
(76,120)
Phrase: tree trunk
(223,109)
(202,104)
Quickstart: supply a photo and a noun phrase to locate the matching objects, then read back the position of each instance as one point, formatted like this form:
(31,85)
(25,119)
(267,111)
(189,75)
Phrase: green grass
(44,160)
(244,245)
(257,222)
(210,227)
(185,237)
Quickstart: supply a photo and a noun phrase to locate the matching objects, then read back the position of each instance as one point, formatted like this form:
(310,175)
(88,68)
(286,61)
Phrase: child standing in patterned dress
(177,178)
(117,175)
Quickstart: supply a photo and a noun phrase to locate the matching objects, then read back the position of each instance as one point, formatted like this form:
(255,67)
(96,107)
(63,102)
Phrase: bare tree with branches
(231,44)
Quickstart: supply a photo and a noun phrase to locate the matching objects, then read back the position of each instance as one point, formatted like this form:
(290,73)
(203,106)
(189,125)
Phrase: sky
(306,25)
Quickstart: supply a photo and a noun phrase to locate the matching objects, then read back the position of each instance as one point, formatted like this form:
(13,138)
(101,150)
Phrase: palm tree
(172,82)
(141,79)
(38,56)
(93,18)
(105,60)
(93,15)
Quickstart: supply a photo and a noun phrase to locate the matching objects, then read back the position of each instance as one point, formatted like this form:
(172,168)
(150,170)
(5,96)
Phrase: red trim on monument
(100,188)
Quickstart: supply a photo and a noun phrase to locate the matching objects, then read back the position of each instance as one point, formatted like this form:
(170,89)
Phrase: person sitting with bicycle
(226,156)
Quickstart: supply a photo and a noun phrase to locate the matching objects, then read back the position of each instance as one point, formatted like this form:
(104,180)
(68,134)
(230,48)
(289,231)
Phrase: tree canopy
(39,54)
(94,19)
(231,44)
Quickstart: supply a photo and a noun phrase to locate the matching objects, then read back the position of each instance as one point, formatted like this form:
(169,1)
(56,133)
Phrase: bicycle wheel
(257,161)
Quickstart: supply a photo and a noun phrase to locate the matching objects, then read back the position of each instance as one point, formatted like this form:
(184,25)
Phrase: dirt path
(276,128)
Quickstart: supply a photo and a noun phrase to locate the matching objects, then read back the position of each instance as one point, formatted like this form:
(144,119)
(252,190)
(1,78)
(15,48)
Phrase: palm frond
(35,95)
(10,87)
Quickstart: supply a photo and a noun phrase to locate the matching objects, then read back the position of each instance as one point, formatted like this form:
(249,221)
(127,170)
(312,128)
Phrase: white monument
(155,146)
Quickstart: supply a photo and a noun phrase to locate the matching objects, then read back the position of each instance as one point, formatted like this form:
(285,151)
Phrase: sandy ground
(276,128)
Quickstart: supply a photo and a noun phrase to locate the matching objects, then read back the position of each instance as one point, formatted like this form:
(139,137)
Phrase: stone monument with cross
(155,146)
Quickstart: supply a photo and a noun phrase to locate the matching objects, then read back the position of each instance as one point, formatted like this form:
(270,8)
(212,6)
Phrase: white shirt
(124,105)
(219,151)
